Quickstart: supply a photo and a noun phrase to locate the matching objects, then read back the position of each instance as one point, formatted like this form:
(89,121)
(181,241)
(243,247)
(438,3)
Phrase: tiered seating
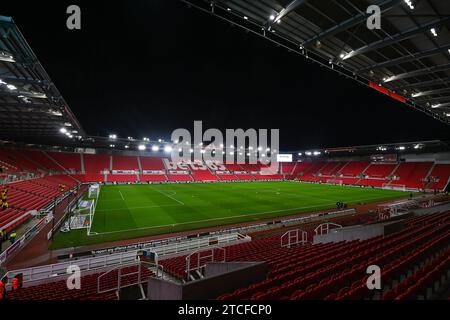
(152,178)
(152,164)
(90,177)
(95,163)
(310,172)
(8,216)
(251,167)
(233,167)
(442,173)
(328,169)
(426,276)
(58,290)
(70,161)
(338,270)
(338,167)
(412,174)
(18,160)
(124,163)
(354,169)
(287,168)
(376,170)
(203,175)
(227,177)
(42,158)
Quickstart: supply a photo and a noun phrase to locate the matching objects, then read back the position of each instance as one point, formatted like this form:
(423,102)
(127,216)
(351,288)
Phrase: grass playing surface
(131,211)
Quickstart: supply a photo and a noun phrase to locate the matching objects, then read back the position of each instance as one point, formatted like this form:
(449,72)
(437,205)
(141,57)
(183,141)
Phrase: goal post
(335,181)
(393,186)
(94,191)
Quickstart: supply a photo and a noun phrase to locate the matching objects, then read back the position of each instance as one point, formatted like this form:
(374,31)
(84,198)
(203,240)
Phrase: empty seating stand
(70,161)
(152,164)
(441,176)
(336,271)
(89,287)
(125,163)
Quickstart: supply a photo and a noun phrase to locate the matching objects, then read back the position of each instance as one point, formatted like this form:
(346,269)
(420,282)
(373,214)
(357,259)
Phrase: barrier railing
(116,277)
(293,237)
(116,259)
(198,259)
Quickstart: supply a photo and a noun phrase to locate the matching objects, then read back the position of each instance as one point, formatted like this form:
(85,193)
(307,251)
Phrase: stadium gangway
(117,259)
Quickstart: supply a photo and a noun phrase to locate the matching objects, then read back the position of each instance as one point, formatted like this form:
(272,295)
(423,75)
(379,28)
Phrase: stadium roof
(407,59)
(31,106)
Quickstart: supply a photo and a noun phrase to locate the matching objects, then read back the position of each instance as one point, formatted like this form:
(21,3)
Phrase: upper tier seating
(152,164)
(124,163)
(70,161)
(94,163)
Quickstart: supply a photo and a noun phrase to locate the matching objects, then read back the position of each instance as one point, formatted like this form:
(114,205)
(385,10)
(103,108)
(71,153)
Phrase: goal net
(94,191)
(394,186)
(334,181)
(81,217)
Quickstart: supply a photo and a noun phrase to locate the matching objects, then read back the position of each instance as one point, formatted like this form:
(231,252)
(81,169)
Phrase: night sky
(146,67)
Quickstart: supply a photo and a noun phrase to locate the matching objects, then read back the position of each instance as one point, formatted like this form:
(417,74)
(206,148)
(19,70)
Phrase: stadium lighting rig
(142,147)
(168,149)
(155,148)
(434,32)
(6,57)
(409,3)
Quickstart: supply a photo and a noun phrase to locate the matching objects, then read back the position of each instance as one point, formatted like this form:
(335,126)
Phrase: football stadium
(104,197)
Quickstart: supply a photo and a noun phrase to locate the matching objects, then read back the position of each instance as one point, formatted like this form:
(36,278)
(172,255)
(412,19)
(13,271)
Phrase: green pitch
(132,211)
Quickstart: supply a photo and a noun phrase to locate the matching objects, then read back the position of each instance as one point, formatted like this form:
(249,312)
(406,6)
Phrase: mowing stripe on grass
(215,219)
(227,218)
(169,196)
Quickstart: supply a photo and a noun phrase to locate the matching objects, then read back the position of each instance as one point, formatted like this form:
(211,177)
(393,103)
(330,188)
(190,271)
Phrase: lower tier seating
(58,290)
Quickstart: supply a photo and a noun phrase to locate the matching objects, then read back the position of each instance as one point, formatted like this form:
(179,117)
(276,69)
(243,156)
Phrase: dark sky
(146,67)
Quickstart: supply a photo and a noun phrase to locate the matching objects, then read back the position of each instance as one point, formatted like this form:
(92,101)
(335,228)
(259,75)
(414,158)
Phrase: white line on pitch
(230,217)
(143,207)
(121,195)
(169,196)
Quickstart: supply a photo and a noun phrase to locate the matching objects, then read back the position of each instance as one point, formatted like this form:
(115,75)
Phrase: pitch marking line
(169,196)
(143,207)
(121,195)
(225,218)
